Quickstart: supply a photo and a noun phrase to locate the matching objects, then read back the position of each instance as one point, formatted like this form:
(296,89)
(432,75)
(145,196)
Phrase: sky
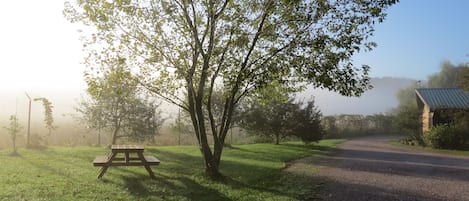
(417,36)
(40,51)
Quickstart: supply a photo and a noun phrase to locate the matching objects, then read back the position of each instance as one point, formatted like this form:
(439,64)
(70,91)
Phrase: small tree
(181,126)
(116,104)
(48,117)
(307,123)
(279,120)
(14,128)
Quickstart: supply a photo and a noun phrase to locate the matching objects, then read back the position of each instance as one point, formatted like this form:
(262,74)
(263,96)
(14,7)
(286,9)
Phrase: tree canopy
(183,50)
(116,104)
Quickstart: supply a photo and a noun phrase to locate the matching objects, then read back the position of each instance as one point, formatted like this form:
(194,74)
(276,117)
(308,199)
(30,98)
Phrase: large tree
(182,47)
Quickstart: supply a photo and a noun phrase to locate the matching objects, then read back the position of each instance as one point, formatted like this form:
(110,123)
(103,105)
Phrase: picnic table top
(126,147)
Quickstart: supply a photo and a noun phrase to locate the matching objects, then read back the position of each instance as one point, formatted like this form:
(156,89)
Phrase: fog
(380,99)
(69,132)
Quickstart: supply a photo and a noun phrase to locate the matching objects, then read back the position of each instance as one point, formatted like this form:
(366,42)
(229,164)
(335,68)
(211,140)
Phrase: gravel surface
(371,169)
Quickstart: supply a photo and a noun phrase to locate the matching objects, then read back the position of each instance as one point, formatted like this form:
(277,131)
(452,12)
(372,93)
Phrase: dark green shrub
(445,137)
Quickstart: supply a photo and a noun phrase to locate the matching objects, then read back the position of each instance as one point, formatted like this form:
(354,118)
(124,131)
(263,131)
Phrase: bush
(445,137)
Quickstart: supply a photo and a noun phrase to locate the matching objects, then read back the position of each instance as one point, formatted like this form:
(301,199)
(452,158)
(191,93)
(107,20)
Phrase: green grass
(429,149)
(66,173)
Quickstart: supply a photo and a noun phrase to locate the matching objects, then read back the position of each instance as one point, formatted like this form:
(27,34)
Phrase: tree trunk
(114,135)
(277,139)
(14,144)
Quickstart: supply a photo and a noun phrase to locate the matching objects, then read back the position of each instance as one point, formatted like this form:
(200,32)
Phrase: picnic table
(133,156)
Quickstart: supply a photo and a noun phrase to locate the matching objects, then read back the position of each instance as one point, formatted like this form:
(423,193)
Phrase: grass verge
(66,173)
(429,149)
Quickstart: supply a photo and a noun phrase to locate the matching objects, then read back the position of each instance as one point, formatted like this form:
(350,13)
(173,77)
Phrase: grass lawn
(443,151)
(66,173)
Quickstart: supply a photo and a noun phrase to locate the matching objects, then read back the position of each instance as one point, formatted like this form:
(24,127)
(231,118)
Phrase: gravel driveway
(371,169)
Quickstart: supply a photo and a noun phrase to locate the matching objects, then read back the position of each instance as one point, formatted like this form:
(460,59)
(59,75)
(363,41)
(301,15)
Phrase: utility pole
(29,120)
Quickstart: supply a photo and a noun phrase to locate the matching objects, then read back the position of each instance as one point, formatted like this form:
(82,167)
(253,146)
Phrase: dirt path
(371,169)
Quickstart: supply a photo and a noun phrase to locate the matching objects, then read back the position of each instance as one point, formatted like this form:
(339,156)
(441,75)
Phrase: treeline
(352,125)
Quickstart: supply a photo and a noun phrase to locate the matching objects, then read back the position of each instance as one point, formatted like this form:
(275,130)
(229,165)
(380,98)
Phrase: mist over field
(380,99)
(69,131)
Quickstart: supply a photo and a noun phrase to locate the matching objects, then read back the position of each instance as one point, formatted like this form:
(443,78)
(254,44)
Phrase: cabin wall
(427,119)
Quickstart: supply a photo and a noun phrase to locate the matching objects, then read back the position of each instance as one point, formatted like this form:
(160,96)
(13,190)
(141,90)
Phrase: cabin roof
(442,98)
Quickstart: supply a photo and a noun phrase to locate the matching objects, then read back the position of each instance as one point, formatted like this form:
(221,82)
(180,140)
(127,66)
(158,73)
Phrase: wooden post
(29,121)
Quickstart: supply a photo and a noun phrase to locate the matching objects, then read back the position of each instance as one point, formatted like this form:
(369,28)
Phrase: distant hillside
(378,100)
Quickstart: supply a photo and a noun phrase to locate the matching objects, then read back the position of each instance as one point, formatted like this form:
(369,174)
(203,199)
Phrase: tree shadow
(190,178)
(170,187)
(15,154)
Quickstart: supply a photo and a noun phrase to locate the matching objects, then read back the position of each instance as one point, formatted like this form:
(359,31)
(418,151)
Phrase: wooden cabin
(434,103)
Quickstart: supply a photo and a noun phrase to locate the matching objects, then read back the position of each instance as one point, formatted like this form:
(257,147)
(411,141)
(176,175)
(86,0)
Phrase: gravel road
(371,169)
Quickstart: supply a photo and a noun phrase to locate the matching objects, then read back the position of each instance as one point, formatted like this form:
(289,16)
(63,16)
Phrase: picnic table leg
(145,164)
(106,166)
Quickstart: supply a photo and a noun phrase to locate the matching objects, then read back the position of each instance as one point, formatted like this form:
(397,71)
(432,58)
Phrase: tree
(408,116)
(181,126)
(330,126)
(281,119)
(192,47)
(307,123)
(447,77)
(115,104)
(14,128)
(272,120)
(463,78)
(48,117)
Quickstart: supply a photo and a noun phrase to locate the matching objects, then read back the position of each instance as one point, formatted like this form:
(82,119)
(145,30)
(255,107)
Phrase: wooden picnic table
(133,156)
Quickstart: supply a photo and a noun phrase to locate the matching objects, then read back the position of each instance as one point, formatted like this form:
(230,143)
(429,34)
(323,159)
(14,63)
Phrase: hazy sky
(40,50)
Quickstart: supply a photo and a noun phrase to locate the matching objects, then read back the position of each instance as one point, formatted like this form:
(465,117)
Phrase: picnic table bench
(133,156)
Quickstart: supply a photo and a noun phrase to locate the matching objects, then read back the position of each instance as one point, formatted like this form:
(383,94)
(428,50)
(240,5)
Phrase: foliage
(447,77)
(64,173)
(14,128)
(191,47)
(307,123)
(408,122)
(48,118)
(273,120)
(115,104)
(463,78)
(341,126)
(408,116)
(445,136)
(278,120)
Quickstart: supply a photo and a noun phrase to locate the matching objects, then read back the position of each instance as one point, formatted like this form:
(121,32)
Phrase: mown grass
(66,173)
(429,149)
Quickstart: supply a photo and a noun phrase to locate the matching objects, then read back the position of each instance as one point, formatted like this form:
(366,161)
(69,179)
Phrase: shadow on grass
(14,154)
(171,188)
(182,175)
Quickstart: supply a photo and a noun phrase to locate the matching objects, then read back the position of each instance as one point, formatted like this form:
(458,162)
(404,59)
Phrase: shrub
(445,137)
